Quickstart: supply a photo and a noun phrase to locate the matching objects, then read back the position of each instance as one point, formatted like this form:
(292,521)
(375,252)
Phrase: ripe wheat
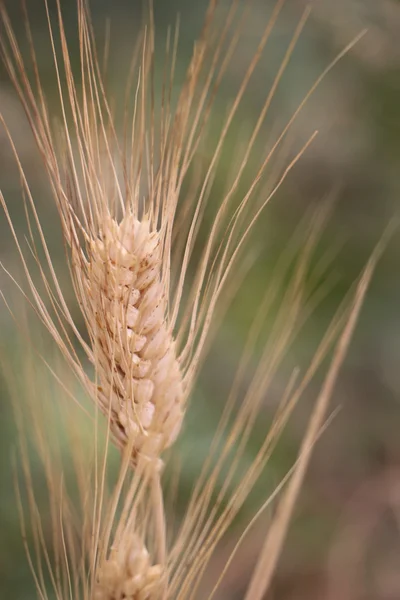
(150,302)
(125,309)
(127,573)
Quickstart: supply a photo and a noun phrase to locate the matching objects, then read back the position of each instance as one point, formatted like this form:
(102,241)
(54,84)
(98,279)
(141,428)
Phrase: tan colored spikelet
(139,375)
(128,574)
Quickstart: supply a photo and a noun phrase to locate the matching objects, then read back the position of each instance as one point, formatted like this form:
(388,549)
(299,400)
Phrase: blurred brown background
(345,537)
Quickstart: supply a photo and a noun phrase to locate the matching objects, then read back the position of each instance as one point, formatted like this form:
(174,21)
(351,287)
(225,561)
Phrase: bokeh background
(344,540)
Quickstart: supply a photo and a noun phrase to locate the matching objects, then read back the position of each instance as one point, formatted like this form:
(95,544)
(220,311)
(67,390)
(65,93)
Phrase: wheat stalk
(150,304)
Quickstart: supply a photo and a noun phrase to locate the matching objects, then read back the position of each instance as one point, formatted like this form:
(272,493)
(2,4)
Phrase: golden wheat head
(140,380)
(148,298)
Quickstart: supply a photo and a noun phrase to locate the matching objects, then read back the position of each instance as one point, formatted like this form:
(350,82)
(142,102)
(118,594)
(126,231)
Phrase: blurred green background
(345,537)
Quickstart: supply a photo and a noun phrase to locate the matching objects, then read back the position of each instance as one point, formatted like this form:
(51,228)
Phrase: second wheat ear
(125,304)
(128,573)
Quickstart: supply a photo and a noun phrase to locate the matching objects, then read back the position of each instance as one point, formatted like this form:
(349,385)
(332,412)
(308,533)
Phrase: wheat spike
(140,378)
(131,240)
(128,574)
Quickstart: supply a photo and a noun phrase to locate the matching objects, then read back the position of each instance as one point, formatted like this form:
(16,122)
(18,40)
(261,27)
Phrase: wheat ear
(128,573)
(149,299)
(135,358)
